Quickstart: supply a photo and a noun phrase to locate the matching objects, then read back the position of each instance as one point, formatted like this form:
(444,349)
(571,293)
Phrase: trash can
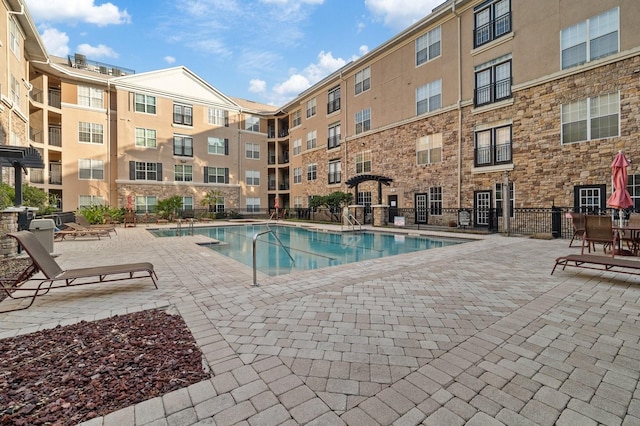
(44,230)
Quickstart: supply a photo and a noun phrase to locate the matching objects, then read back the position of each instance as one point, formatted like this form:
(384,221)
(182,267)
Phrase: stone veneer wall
(8,223)
(231,194)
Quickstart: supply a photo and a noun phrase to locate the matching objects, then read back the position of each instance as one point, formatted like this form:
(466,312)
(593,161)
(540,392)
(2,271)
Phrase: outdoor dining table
(633,234)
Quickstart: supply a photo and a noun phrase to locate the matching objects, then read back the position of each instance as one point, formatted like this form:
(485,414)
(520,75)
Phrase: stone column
(8,223)
(380,214)
(357,210)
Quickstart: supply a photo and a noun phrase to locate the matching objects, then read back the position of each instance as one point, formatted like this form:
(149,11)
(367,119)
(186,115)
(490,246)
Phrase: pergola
(356,180)
(20,157)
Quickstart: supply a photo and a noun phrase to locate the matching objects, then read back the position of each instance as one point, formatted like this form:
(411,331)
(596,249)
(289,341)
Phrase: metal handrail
(179,226)
(347,218)
(255,239)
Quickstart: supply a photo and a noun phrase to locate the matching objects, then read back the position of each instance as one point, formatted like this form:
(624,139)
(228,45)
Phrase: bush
(96,214)
(170,207)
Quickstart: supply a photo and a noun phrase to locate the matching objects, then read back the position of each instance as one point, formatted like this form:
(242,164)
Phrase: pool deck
(477,334)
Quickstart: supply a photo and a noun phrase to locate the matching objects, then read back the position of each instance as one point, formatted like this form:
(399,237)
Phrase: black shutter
(226,146)
(206,174)
(226,175)
(132,170)
(159,168)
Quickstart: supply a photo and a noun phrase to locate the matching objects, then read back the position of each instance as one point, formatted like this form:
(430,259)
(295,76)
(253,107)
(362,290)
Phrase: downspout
(110,192)
(453,10)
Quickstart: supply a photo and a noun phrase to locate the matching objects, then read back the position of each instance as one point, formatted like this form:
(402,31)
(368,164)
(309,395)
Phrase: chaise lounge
(599,263)
(56,277)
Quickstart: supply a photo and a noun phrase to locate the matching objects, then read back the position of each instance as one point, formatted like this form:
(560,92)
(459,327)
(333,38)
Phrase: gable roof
(179,83)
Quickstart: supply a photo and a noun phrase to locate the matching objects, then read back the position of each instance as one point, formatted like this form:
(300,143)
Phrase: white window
(363,120)
(90,133)
(90,200)
(218,117)
(15,91)
(146,137)
(183,114)
(591,39)
(252,177)
(429,149)
(429,97)
(217,146)
(298,202)
(146,203)
(145,103)
(312,172)
(146,171)
(252,150)
(312,141)
(297,175)
(435,201)
(15,37)
(253,204)
(428,46)
(183,173)
(90,97)
(591,118)
(363,80)
(311,107)
(296,118)
(297,146)
(90,169)
(252,123)
(217,175)
(187,203)
(363,162)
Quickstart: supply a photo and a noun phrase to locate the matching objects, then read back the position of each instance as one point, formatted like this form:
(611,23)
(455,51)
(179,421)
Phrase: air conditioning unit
(81,60)
(116,72)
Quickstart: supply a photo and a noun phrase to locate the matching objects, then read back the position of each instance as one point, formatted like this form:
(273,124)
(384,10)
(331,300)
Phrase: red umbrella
(620,199)
(129,202)
(276,204)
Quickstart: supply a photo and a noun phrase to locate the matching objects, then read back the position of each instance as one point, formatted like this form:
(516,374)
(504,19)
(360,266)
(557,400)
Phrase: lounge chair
(599,263)
(82,221)
(577,222)
(81,231)
(599,229)
(56,277)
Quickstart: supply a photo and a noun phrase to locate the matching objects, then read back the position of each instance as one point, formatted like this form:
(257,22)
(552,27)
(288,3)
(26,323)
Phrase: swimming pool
(309,248)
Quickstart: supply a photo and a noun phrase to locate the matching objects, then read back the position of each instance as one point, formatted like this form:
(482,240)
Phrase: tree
(169,207)
(212,198)
(334,202)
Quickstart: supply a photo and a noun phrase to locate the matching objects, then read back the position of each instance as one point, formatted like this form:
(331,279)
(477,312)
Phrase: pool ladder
(350,221)
(255,239)
(179,227)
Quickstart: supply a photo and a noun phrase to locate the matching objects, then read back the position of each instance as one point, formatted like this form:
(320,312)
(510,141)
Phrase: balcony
(36,176)
(55,98)
(492,30)
(36,135)
(493,155)
(493,92)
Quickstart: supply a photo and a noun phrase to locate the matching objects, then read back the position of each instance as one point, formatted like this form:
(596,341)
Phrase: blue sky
(263,50)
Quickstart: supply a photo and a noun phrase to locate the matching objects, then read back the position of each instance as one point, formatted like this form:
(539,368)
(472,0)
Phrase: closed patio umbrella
(620,198)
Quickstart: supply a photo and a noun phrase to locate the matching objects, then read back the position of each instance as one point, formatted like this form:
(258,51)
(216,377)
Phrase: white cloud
(56,42)
(399,14)
(363,50)
(257,86)
(99,51)
(77,10)
(169,59)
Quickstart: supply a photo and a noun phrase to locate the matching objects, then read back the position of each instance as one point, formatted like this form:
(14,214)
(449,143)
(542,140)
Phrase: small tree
(169,207)
(334,202)
(212,198)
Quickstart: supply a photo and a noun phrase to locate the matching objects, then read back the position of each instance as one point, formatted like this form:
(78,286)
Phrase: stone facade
(230,193)
(8,223)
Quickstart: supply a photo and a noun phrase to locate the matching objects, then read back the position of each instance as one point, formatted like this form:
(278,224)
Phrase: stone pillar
(8,223)
(380,214)
(357,211)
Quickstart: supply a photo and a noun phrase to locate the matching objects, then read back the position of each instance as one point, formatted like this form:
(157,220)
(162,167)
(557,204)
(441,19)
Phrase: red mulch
(71,374)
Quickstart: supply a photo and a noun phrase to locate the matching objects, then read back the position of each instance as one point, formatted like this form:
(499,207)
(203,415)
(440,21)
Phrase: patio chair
(577,222)
(81,231)
(599,229)
(631,235)
(56,277)
(82,221)
(130,218)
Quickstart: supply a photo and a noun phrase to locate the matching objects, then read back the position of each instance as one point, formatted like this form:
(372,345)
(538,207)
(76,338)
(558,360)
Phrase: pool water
(309,248)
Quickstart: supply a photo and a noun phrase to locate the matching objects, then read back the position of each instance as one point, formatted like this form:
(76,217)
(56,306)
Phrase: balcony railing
(55,98)
(55,174)
(36,95)
(333,106)
(36,135)
(493,92)
(333,141)
(492,155)
(36,176)
(492,29)
(55,136)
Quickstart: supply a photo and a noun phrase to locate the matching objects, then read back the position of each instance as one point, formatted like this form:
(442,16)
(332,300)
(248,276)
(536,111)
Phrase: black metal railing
(493,92)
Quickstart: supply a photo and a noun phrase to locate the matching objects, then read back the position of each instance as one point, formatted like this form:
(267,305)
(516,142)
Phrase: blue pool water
(310,248)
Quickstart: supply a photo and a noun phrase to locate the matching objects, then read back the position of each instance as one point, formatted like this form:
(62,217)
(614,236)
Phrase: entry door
(421,208)
(393,207)
(482,206)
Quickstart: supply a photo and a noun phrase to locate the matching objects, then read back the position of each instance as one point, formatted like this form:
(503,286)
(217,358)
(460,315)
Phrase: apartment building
(481,104)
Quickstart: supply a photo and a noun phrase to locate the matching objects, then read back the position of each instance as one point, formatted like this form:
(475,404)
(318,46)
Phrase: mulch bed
(71,374)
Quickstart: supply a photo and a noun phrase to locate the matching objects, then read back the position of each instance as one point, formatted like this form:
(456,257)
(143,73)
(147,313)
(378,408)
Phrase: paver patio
(478,333)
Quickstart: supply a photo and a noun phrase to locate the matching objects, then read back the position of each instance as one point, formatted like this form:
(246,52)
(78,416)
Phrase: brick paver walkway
(477,334)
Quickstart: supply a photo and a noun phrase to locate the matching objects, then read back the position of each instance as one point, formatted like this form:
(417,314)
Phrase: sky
(266,51)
